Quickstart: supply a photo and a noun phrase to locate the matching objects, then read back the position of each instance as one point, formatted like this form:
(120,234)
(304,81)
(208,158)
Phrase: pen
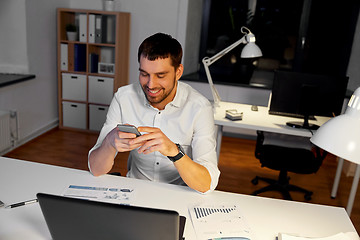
(21,203)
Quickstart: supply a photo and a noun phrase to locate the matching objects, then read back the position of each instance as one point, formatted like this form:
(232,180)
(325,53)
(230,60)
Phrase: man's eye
(143,74)
(161,75)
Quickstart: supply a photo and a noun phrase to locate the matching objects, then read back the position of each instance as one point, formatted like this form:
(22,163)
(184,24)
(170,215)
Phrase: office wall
(13,52)
(34,100)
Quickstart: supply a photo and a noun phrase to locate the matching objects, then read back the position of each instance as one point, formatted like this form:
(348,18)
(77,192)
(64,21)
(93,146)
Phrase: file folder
(104,29)
(98,34)
(64,57)
(92,28)
(80,57)
(82,28)
(93,62)
(110,29)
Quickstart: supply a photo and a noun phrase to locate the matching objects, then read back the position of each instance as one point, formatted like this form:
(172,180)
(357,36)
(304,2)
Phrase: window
(299,35)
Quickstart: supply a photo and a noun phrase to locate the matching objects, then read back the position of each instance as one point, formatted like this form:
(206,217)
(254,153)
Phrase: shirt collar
(177,101)
(141,95)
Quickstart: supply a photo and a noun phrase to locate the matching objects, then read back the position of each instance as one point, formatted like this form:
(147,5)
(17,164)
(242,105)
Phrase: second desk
(258,120)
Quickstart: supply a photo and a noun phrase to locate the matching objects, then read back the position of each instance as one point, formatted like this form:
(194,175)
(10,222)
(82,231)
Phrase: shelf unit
(91,67)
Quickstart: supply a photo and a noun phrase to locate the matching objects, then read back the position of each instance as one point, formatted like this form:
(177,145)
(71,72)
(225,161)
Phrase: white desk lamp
(251,50)
(341,137)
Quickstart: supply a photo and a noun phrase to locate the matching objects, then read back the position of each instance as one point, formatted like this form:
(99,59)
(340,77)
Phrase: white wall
(13,47)
(34,100)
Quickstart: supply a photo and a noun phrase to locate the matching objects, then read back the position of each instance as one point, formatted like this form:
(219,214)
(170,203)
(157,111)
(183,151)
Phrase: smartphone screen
(129,129)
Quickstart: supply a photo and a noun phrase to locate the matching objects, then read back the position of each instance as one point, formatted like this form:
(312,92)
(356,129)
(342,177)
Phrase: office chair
(286,153)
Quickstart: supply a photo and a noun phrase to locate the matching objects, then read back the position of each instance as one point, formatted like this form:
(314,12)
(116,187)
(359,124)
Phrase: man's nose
(152,81)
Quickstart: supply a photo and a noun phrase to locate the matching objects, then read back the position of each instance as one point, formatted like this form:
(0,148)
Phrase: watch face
(181,150)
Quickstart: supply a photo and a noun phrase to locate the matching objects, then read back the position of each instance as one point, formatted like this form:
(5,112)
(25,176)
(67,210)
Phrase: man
(178,141)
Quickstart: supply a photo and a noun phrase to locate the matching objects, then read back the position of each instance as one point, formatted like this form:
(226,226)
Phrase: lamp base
(302,125)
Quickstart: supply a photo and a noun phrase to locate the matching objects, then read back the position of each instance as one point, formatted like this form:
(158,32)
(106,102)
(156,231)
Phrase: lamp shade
(341,135)
(251,50)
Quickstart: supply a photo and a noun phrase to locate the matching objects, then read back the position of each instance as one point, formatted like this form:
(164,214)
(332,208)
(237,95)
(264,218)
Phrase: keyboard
(293,115)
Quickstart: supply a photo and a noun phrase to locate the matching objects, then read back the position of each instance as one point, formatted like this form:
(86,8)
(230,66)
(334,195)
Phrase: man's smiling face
(158,79)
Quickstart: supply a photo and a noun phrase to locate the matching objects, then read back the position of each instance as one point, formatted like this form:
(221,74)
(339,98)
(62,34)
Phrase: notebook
(73,218)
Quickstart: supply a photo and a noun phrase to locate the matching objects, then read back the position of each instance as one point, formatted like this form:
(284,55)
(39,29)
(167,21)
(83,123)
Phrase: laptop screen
(73,218)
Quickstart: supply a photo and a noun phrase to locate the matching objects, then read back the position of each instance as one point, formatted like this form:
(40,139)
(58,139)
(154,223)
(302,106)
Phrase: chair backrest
(290,153)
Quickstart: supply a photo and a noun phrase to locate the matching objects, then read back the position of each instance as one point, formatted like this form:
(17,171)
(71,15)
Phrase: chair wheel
(255,181)
(307,196)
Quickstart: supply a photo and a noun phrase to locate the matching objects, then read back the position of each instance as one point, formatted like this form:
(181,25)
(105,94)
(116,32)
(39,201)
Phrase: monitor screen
(305,95)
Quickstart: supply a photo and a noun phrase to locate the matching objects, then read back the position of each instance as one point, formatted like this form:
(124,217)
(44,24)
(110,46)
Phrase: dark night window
(297,35)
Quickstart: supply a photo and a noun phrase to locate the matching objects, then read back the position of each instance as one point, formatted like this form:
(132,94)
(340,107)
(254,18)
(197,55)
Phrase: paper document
(219,222)
(104,194)
(339,236)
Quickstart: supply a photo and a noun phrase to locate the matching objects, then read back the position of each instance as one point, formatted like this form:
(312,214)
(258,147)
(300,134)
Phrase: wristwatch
(179,155)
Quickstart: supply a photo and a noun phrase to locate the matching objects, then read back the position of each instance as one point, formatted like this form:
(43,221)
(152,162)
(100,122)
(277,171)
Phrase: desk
(21,180)
(258,120)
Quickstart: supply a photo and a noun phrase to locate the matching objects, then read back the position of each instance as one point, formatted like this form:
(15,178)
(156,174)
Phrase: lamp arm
(214,92)
(211,60)
(208,61)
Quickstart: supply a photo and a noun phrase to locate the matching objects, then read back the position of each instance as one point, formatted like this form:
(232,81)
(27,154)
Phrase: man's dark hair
(161,45)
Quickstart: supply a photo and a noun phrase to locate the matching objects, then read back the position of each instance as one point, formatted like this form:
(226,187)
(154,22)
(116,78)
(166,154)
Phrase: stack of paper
(339,236)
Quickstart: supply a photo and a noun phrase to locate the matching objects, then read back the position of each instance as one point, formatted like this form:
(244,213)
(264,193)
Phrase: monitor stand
(304,125)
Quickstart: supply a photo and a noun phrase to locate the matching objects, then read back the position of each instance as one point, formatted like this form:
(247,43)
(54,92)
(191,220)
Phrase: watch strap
(179,155)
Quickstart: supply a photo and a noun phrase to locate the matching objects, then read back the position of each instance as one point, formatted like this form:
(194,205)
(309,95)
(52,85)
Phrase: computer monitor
(304,95)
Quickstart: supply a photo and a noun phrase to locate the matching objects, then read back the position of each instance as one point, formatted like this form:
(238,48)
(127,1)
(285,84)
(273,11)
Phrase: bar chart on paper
(203,212)
(213,221)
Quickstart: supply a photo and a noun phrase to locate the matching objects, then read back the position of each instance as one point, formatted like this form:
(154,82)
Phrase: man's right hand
(120,141)
(101,160)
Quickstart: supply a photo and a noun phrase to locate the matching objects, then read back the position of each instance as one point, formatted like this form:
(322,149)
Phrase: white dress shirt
(187,120)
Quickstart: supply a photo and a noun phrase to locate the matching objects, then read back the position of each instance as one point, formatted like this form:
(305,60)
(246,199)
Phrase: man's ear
(179,71)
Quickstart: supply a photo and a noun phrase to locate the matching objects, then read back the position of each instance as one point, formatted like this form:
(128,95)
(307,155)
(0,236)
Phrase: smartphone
(129,129)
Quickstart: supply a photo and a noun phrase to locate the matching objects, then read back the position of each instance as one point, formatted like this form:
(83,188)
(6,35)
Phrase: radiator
(5,133)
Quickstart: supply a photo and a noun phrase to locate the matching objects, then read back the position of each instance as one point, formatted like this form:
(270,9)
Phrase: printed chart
(219,222)
(104,194)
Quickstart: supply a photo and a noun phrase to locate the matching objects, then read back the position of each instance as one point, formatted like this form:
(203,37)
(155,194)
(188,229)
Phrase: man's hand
(194,175)
(122,141)
(154,140)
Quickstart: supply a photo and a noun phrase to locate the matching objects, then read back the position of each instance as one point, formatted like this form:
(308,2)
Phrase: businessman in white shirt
(177,144)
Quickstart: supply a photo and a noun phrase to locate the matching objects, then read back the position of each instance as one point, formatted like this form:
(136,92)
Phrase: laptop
(73,218)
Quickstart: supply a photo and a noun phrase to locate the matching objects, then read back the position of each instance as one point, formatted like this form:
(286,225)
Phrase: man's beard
(160,98)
